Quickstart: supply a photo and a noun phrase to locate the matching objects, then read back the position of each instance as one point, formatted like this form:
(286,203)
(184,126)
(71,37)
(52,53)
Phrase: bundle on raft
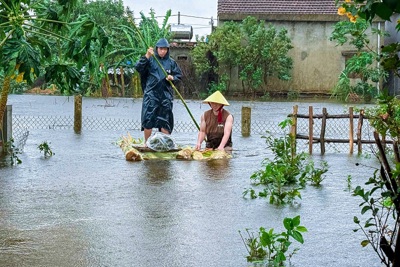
(135,150)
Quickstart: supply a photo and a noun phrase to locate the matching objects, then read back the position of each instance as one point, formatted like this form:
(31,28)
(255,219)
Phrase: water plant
(312,174)
(12,151)
(46,149)
(287,173)
(271,246)
(348,181)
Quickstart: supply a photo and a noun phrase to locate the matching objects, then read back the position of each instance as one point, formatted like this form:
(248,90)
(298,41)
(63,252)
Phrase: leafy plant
(220,86)
(381,195)
(258,52)
(46,149)
(348,182)
(362,73)
(385,116)
(287,173)
(381,205)
(312,174)
(12,151)
(271,246)
(253,246)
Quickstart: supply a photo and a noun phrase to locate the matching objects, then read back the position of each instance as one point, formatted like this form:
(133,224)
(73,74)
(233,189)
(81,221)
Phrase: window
(182,58)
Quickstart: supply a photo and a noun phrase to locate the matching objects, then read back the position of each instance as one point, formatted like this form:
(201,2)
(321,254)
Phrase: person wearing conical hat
(216,124)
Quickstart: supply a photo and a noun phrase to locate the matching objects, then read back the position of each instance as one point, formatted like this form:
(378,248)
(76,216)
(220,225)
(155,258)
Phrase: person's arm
(176,73)
(202,133)
(227,132)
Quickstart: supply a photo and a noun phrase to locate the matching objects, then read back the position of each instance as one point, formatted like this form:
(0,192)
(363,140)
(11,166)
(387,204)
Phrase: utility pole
(212,24)
(179,17)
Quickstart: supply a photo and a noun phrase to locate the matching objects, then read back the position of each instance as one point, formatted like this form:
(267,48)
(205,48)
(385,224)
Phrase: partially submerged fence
(313,131)
(352,129)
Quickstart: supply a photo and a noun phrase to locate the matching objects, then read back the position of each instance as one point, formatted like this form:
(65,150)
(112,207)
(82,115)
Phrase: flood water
(87,206)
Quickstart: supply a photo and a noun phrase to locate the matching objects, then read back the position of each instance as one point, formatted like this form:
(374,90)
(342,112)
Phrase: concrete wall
(317,61)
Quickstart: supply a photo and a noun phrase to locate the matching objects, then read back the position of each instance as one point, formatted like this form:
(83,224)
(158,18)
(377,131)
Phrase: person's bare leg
(147,133)
(165,131)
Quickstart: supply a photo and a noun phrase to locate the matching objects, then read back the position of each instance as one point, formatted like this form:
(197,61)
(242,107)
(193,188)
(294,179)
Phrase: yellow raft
(135,150)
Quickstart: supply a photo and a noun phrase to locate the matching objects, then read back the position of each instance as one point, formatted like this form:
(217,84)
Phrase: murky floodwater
(87,206)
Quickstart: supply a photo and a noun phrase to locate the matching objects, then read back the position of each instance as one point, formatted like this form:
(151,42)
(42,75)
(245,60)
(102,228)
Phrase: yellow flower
(347,1)
(341,11)
(353,19)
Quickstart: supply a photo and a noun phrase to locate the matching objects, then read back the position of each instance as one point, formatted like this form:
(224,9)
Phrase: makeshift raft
(135,150)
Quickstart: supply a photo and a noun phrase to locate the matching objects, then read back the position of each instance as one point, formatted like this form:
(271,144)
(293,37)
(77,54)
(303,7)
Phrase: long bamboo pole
(166,74)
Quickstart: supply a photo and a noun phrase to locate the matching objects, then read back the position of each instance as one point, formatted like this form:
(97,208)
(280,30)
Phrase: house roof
(277,6)
(238,9)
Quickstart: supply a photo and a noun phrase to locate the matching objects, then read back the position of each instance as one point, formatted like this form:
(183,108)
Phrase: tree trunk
(390,181)
(122,81)
(3,100)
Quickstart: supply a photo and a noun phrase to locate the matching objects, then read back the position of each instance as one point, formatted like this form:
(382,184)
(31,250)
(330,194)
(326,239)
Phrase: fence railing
(22,123)
(314,132)
(340,130)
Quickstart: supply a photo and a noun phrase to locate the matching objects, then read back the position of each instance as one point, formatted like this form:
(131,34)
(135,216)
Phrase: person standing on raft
(157,89)
(216,124)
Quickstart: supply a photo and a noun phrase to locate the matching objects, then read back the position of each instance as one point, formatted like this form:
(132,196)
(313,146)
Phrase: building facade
(317,61)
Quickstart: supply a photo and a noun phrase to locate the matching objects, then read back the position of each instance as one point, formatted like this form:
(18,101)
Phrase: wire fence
(337,128)
(23,123)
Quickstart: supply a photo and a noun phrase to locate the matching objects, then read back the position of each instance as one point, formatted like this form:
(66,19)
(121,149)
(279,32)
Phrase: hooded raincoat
(157,91)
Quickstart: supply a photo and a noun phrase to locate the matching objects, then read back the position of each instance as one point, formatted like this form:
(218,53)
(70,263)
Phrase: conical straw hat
(216,97)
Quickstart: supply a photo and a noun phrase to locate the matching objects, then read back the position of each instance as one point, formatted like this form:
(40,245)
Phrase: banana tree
(150,33)
(81,54)
(34,36)
(24,27)
(106,15)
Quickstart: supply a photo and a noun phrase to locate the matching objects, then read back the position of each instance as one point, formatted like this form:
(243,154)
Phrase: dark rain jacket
(157,91)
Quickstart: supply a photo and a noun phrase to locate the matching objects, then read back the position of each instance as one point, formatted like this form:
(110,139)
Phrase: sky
(196,13)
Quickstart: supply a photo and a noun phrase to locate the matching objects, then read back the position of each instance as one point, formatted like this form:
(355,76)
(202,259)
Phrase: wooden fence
(321,139)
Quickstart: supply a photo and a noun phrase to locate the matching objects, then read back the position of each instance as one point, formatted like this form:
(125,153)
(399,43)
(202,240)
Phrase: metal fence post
(6,135)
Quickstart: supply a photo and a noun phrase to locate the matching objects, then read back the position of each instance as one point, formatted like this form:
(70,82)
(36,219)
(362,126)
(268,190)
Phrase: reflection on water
(217,169)
(86,206)
(157,171)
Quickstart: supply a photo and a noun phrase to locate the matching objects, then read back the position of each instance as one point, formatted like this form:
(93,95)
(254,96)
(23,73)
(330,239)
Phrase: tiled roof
(297,7)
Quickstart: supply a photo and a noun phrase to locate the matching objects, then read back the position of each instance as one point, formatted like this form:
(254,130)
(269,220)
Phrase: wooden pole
(323,129)
(78,114)
(351,130)
(6,129)
(246,121)
(122,75)
(310,129)
(359,131)
(293,130)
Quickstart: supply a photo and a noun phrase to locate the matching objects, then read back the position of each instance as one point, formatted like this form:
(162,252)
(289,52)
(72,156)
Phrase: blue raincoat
(157,91)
